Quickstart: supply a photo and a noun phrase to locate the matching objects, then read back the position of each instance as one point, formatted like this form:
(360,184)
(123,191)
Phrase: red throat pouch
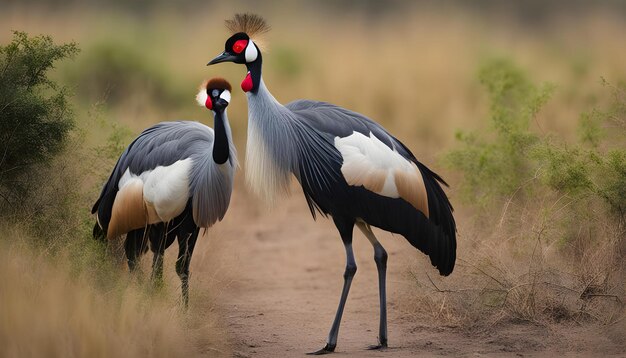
(246,84)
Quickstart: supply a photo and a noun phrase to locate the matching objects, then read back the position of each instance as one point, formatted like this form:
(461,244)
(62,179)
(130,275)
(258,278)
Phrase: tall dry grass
(52,308)
(49,312)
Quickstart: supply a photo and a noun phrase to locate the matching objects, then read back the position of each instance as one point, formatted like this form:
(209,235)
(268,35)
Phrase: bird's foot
(327,349)
(381,346)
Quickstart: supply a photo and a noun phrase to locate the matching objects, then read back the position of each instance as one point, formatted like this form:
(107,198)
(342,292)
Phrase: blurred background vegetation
(520,105)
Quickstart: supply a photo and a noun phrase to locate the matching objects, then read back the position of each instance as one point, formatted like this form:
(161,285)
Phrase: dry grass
(49,309)
(48,312)
(518,269)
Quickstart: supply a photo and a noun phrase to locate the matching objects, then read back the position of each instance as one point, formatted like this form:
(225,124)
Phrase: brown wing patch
(412,189)
(373,181)
(129,211)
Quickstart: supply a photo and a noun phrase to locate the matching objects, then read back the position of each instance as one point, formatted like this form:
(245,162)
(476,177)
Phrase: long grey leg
(380,257)
(345,229)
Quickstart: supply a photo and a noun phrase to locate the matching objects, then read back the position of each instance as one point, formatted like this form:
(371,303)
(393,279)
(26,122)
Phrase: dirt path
(285,276)
(280,276)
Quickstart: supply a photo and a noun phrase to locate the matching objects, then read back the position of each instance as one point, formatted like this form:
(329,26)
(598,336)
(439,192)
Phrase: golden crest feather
(251,24)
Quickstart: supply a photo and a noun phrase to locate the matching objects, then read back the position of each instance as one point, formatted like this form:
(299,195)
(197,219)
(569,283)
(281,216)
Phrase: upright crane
(349,167)
(172,180)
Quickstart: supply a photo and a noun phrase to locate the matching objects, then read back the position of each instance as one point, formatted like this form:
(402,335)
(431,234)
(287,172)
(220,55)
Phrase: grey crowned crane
(349,167)
(172,180)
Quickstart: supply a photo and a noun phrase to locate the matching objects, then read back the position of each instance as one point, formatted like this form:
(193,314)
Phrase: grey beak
(222,57)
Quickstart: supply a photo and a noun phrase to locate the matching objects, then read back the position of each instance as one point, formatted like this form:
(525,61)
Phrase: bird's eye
(239,46)
(215,93)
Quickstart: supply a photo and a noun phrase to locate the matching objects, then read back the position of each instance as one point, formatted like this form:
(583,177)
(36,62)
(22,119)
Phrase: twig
(488,275)
(560,286)
(443,303)
(435,286)
(603,295)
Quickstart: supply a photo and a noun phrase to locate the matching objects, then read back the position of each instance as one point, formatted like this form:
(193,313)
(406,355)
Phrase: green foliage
(596,166)
(116,143)
(498,165)
(35,117)
(556,202)
(503,161)
(579,172)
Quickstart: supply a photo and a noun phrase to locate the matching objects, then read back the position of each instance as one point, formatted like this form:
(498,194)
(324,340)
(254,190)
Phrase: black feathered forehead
(251,24)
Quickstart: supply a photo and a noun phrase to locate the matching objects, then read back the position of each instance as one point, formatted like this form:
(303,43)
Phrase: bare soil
(275,277)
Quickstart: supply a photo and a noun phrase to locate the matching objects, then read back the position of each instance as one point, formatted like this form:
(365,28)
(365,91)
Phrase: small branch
(603,295)
(488,275)
(560,286)
(435,286)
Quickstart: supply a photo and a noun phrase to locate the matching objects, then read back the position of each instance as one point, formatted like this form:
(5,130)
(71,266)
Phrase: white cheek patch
(251,52)
(201,97)
(225,96)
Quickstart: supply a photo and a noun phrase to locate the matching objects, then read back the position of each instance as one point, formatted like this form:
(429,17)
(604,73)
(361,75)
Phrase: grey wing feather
(342,122)
(162,145)
(212,185)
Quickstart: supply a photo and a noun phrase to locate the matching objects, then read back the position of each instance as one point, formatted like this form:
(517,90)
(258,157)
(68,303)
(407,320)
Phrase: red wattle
(208,103)
(246,84)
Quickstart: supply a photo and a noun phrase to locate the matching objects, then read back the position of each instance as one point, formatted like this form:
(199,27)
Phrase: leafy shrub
(35,118)
(503,161)
(555,250)
(498,165)
(595,167)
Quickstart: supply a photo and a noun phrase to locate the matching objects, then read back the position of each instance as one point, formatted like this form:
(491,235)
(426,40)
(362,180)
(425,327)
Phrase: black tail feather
(443,226)
(433,241)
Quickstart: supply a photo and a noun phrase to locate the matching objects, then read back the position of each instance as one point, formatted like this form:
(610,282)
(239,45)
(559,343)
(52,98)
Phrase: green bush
(35,117)
(549,241)
(511,159)
(497,164)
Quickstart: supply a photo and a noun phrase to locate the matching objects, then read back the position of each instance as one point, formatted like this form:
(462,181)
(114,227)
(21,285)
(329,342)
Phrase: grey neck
(263,105)
(272,150)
